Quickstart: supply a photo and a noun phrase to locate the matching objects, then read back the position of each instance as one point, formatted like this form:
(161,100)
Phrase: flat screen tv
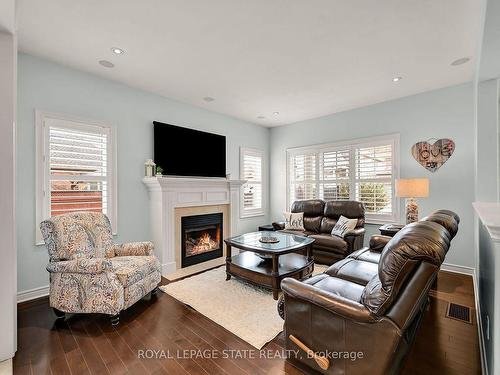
(186,152)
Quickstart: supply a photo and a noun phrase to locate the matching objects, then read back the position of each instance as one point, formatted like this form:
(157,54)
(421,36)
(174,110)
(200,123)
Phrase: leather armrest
(355,239)
(278,225)
(333,303)
(83,265)
(378,242)
(355,232)
(134,248)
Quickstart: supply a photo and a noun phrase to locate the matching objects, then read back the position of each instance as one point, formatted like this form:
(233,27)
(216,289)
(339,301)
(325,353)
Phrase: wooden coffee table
(266,264)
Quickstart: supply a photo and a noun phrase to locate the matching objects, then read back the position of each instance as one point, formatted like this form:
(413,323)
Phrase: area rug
(245,310)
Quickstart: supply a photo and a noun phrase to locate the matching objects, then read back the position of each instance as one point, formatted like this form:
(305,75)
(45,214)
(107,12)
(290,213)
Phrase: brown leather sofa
(370,303)
(319,219)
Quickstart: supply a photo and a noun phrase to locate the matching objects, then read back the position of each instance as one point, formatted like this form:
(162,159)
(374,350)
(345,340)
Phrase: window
(75,167)
(364,170)
(252,170)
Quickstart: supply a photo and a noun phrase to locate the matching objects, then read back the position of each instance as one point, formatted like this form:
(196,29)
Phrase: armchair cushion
(133,248)
(82,265)
(77,235)
(131,269)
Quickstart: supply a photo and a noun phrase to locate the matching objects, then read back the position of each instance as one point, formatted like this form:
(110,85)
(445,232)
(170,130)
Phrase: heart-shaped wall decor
(433,156)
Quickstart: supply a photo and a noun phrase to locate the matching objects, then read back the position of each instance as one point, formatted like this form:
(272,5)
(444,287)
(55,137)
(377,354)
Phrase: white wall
(47,86)
(8,268)
(444,113)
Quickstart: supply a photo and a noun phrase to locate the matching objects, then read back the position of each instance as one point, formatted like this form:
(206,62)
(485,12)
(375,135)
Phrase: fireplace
(201,238)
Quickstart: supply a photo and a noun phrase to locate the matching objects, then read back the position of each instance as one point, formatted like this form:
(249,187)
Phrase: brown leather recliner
(364,311)
(319,219)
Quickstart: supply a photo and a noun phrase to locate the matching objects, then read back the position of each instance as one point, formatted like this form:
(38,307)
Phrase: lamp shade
(412,188)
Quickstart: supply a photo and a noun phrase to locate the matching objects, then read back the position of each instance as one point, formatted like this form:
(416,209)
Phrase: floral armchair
(90,274)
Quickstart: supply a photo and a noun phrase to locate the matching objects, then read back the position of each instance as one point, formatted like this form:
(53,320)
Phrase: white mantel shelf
(489,214)
(168,193)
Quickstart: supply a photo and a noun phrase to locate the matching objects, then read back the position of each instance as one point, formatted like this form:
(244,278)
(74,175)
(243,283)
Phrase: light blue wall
(445,113)
(47,86)
(487,141)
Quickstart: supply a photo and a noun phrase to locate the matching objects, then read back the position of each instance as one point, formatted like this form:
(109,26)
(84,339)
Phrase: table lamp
(412,188)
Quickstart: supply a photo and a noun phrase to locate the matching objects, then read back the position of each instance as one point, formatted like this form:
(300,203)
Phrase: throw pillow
(294,221)
(344,226)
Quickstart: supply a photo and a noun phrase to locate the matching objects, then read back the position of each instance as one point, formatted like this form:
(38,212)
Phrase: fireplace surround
(171,198)
(201,238)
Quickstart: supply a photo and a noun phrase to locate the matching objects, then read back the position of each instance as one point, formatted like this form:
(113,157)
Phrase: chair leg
(154,292)
(115,319)
(59,314)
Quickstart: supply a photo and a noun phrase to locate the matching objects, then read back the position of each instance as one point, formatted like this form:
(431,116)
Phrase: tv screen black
(186,152)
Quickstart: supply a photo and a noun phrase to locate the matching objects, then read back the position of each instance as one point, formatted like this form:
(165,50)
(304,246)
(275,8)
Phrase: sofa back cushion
(415,243)
(77,235)
(448,221)
(313,213)
(449,213)
(334,209)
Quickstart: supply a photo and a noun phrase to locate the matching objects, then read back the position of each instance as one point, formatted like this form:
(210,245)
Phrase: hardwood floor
(87,344)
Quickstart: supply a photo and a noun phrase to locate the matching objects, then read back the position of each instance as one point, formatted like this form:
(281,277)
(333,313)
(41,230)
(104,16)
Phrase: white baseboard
(27,295)
(458,269)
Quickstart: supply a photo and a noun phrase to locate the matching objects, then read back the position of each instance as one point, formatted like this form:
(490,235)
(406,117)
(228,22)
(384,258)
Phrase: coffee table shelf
(291,257)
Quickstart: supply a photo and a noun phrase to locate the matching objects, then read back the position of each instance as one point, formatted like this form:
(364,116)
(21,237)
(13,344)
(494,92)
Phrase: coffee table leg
(228,261)
(275,276)
(309,253)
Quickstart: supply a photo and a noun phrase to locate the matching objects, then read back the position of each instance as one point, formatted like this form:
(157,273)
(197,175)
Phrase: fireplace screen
(201,238)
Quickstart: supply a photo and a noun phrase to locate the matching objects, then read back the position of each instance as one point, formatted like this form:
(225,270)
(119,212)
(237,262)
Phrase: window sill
(374,221)
(249,215)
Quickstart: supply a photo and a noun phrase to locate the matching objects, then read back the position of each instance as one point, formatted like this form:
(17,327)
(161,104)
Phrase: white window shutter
(252,170)
(374,178)
(364,170)
(78,163)
(303,177)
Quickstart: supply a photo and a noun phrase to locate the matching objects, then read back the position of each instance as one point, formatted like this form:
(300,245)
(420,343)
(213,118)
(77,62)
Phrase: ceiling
(303,59)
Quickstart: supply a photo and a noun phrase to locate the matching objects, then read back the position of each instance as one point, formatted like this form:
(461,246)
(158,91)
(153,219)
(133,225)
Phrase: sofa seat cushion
(356,271)
(131,269)
(329,242)
(366,255)
(339,287)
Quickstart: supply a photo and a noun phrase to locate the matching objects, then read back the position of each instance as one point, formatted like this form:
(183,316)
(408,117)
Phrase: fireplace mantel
(168,193)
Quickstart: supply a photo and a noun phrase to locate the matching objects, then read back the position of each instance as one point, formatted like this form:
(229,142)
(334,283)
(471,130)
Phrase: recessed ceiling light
(460,61)
(261,117)
(106,63)
(397,79)
(276,113)
(208,99)
(117,51)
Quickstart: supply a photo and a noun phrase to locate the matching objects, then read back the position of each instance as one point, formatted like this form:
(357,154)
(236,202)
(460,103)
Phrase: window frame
(246,213)
(352,145)
(42,164)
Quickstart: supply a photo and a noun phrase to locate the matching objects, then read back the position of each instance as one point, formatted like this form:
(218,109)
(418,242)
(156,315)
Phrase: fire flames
(205,243)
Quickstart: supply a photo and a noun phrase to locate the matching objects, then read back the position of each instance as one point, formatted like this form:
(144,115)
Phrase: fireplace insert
(201,238)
